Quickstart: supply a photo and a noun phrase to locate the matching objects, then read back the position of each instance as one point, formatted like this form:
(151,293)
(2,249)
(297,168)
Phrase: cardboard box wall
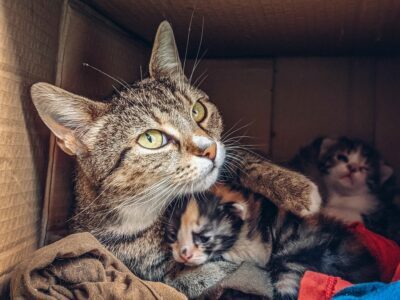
(28,53)
(283,101)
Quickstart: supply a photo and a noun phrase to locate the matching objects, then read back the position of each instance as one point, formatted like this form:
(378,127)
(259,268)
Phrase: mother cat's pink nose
(210,152)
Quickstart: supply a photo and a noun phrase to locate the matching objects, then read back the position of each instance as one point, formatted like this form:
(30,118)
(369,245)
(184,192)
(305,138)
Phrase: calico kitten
(153,142)
(285,245)
(349,172)
(201,230)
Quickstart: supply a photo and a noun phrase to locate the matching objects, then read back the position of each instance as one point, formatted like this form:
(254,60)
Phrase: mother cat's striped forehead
(153,102)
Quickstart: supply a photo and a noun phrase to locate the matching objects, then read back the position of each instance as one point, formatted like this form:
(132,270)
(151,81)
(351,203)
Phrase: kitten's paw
(314,202)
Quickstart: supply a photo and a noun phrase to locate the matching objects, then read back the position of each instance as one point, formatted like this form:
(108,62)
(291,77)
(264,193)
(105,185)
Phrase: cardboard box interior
(282,101)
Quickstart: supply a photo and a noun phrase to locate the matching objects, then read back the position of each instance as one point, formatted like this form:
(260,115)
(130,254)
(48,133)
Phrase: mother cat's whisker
(140,198)
(148,190)
(120,81)
(167,195)
(196,65)
(176,201)
(236,140)
(188,39)
(147,195)
(169,192)
(226,133)
(199,81)
(233,130)
(251,148)
(90,205)
(246,149)
(175,192)
(196,60)
(234,158)
(229,169)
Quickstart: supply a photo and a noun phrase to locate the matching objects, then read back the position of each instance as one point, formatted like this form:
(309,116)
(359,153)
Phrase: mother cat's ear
(164,61)
(65,113)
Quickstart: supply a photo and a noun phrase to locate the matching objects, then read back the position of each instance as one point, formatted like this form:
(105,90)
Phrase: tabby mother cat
(152,142)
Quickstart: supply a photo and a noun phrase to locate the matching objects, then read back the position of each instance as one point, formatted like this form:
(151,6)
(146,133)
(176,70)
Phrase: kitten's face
(202,229)
(349,171)
(351,167)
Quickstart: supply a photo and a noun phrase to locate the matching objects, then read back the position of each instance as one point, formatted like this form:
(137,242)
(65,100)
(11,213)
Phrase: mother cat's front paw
(312,201)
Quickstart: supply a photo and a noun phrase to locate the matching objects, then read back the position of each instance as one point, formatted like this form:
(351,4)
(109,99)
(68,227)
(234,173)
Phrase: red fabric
(317,286)
(396,276)
(385,251)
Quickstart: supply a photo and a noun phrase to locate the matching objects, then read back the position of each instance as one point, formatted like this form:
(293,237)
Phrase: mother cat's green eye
(152,139)
(198,112)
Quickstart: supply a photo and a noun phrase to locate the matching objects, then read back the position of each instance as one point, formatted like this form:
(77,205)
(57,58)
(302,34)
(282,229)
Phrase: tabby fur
(122,189)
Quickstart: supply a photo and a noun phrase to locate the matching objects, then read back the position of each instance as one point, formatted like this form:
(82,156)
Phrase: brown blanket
(79,267)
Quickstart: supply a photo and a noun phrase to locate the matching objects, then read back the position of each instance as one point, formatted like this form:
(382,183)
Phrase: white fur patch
(350,209)
(202,142)
(288,284)
(133,219)
(207,170)
(315,202)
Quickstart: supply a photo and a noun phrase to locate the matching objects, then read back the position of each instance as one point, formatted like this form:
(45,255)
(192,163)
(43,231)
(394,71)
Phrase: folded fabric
(385,251)
(79,267)
(396,275)
(317,286)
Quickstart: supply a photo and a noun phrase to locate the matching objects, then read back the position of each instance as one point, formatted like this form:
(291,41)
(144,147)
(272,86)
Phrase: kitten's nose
(352,167)
(185,253)
(210,152)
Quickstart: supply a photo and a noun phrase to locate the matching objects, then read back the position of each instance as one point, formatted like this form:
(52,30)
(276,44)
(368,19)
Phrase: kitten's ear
(385,171)
(164,61)
(239,210)
(325,145)
(63,113)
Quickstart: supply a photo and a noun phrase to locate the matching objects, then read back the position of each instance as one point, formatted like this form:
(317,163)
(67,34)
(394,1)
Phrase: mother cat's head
(156,139)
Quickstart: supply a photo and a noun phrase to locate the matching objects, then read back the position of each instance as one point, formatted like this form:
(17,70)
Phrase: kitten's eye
(152,139)
(343,158)
(199,112)
(171,237)
(204,239)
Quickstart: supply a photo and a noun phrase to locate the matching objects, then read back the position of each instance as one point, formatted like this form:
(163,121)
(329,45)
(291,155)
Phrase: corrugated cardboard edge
(5,289)
(69,7)
(53,144)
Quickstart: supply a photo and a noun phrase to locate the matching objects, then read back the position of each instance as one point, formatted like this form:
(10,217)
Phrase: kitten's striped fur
(122,189)
(284,244)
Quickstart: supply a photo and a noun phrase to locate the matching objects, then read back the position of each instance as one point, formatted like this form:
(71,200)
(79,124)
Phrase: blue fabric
(369,291)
